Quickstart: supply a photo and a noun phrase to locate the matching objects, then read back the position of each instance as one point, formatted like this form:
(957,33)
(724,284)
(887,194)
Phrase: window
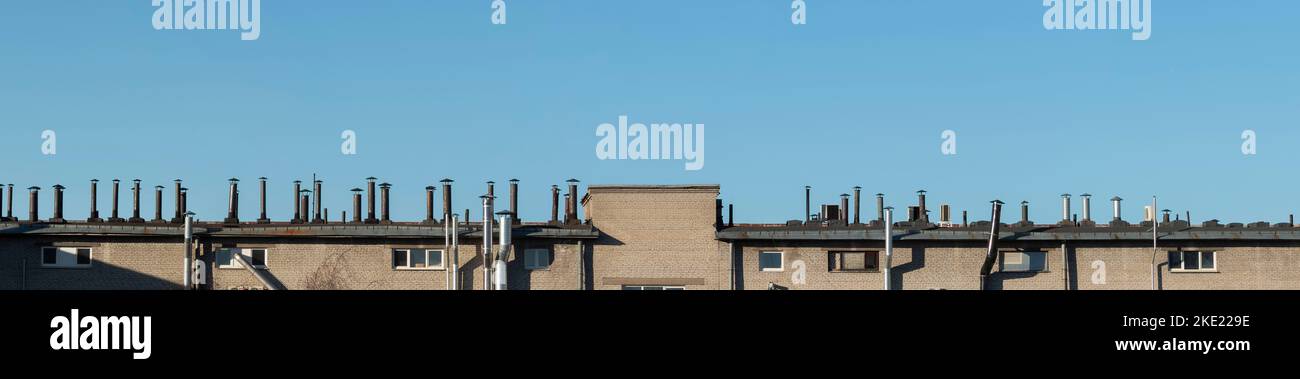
(1192,261)
(771,261)
(850,261)
(226,258)
(1024,261)
(417,259)
(65,257)
(537,259)
(653,288)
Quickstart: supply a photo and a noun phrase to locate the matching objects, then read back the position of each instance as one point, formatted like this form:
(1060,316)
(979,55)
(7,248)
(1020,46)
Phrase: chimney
(807,204)
(492,196)
(1065,208)
(573,201)
(945,214)
(920,198)
(913,213)
(383,188)
(94,200)
(58,204)
(857,205)
(113,217)
(185,203)
(1087,207)
(2,205)
(10,201)
(303,203)
(717,221)
(316,191)
(232,202)
(1024,213)
(446,200)
(356,205)
(428,205)
(1114,203)
(157,204)
(261,218)
(844,207)
(180,216)
(964,222)
(880,207)
(135,201)
(555,204)
(566,208)
(1166,212)
(297,207)
(514,202)
(731,215)
(33,198)
(370,200)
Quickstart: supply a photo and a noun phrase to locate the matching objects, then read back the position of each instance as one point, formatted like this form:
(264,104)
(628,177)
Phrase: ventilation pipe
(1166,215)
(185,202)
(889,245)
(10,201)
(1087,207)
(58,204)
(992,254)
(316,205)
(514,201)
(880,207)
(179,216)
(157,204)
(922,215)
(945,214)
(187,268)
(566,208)
(370,200)
(487,242)
(2,205)
(455,250)
(731,215)
(135,201)
(807,204)
(384,189)
(261,218)
(303,202)
(1114,203)
(857,205)
(232,203)
(33,198)
(94,200)
(555,204)
(446,199)
(446,243)
(297,206)
(573,201)
(113,217)
(1024,213)
(428,206)
(1065,208)
(964,222)
(500,269)
(844,207)
(356,205)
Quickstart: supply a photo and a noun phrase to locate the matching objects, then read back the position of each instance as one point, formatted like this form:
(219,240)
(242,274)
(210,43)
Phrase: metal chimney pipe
(316,191)
(573,200)
(514,201)
(135,201)
(731,214)
(356,205)
(58,204)
(923,216)
(370,200)
(303,203)
(1166,212)
(807,204)
(964,220)
(113,217)
(94,200)
(1114,202)
(185,202)
(500,269)
(384,192)
(880,207)
(555,203)
(179,217)
(566,208)
(446,199)
(1065,207)
(889,245)
(232,202)
(261,218)
(10,200)
(157,204)
(991,255)
(1024,212)
(945,214)
(844,207)
(455,250)
(32,198)
(297,207)
(857,205)
(428,205)
(491,193)
(1087,207)
(2,205)
(487,241)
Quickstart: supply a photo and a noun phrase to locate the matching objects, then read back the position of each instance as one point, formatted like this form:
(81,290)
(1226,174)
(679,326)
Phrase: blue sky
(858,96)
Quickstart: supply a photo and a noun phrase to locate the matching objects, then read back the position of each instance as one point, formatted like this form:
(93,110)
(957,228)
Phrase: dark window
(49,256)
(83,256)
(1207,260)
(399,258)
(770,261)
(1191,260)
(259,257)
(418,258)
(842,261)
(1175,260)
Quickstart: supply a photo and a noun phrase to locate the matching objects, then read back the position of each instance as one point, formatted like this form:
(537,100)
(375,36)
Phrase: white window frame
(530,262)
(768,269)
(647,287)
(428,253)
(70,254)
(1199,266)
(247,253)
(1024,259)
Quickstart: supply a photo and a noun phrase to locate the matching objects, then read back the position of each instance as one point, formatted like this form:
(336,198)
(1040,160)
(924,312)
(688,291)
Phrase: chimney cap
(446,180)
(880,195)
(356,190)
(1086,195)
(159,187)
(430,188)
(513,180)
(554,186)
(261,178)
(491,182)
(297,182)
(304,191)
(807,187)
(1165,210)
(135,180)
(34,188)
(921,192)
(997,202)
(384,185)
(97,180)
(234,179)
(372,178)
(183,189)
(59,186)
(318,181)
(889,208)
(571,180)
(505,212)
(190,213)
(1065,195)
(855,188)
(844,195)
(1024,202)
(485,197)
(1116,198)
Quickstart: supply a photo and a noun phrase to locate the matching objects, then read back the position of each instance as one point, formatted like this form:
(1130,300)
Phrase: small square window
(771,261)
(49,256)
(1207,260)
(537,259)
(1191,260)
(258,258)
(399,258)
(83,256)
(418,259)
(1024,261)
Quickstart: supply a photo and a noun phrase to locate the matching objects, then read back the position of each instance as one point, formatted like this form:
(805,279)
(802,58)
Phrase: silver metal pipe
(500,270)
(455,250)
(1065,207)
(889,246)
(189,250)
(487,242)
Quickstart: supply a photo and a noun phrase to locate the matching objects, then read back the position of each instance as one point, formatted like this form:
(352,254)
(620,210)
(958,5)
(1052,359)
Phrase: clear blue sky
(858,96)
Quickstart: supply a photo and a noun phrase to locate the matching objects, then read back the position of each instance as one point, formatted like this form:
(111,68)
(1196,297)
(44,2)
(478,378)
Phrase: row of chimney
(919,214)
(303,203)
